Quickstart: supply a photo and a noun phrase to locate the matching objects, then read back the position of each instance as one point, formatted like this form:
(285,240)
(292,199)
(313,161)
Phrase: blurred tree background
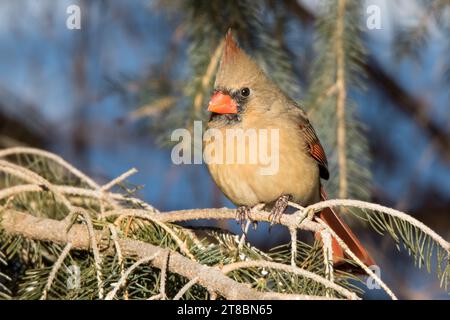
(107,97)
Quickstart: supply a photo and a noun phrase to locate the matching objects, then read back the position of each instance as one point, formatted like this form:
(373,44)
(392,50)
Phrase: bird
(244,97)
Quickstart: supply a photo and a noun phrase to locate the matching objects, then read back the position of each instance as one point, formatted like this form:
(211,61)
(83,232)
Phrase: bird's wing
(313,146)
(328,215)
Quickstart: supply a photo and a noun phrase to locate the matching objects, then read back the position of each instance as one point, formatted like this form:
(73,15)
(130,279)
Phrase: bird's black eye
(245,92)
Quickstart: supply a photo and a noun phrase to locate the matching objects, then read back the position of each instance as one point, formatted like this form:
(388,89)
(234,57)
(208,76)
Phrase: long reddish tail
(332,219)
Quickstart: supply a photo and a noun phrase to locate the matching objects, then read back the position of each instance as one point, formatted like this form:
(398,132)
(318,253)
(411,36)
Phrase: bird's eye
(245,92)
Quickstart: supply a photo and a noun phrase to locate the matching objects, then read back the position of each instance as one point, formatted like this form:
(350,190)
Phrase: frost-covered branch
(211,278)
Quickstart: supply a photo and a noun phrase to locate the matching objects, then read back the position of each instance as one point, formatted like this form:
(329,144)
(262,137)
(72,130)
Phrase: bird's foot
(279,208)
(242,214)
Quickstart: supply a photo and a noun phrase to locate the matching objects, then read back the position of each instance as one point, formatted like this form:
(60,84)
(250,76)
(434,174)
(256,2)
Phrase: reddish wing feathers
(315,148)
(328,215)
(318,154)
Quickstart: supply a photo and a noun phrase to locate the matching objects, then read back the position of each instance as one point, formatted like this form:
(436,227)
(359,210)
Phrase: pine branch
(120,230)
(291,269)
(211,278)
(127,273)
(336,70)
(379,208)
(341,99)
(55,269)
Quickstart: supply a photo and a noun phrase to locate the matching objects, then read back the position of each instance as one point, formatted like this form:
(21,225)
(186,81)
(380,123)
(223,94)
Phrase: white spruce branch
(95,251)
(48,155)
(56,266)
(163,276)
(185,288)
(85,237)
(295,270)
(151,217)
(155,297)
(115,238)
(119,179)
(386,210)
(327,250)
(211,278)
(361,264)
(293,233)
(125,276)
(32,177)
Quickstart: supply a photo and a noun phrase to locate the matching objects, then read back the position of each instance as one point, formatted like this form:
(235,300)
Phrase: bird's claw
(242,214)
(279,208)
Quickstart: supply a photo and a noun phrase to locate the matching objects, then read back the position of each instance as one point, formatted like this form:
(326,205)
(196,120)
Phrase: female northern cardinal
(245,98)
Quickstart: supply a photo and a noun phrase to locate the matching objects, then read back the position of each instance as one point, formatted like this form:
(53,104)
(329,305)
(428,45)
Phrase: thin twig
(327,255)
(386,210)
(57,159)
(295,270)
(56,266)
(12,191)
(124,278)
(155,297)
(115,239)
(293,233)
(153,218)
(73,191)
(185,288)
(100,195)
(357,260)
(95,251)
(32,177)
(119,179)
(244,235)
(162,286)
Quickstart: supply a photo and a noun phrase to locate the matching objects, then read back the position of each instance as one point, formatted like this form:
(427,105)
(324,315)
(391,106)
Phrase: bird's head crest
(236,68)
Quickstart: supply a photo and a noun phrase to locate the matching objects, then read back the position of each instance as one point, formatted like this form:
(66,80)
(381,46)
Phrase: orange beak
(222,103)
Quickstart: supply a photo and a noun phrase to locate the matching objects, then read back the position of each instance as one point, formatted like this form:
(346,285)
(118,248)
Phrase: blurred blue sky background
(122,42)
